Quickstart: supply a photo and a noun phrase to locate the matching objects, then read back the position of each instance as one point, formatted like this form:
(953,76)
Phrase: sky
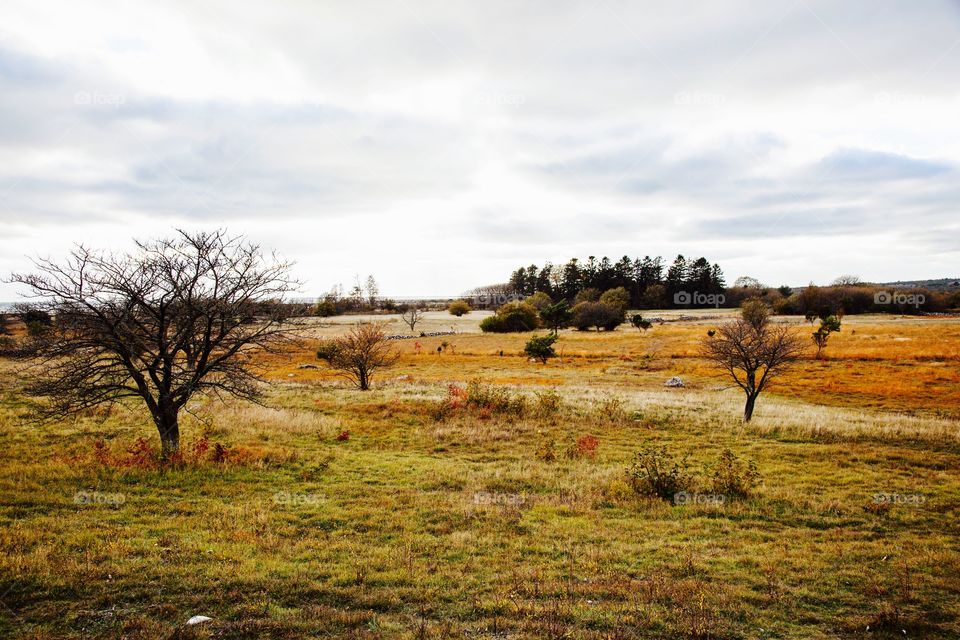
(440,145)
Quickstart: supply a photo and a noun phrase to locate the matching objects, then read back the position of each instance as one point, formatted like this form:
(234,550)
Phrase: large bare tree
(753,351)
(174,318)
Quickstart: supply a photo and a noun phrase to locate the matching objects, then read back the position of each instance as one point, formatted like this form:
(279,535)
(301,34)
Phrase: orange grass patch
(883,362)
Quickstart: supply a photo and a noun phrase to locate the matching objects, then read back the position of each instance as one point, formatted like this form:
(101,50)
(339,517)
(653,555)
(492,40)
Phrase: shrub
(654,472)
(539,301)
(547,451)
(327,350)
(617,298)
(325,309)
(587,295)
(820,337)
(610,410)
(755,312)
(596,314)
(459,308)
(583,447)
(498,400)
(541,347)
(143,454)
(733,477)
(511,317)
(556,316)
(549,403)
(483,401)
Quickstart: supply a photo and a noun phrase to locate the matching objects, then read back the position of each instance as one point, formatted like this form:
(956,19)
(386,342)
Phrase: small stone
(675,381)
(198,620)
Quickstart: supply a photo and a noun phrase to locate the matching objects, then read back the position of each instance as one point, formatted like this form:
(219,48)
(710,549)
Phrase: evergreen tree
(677,277)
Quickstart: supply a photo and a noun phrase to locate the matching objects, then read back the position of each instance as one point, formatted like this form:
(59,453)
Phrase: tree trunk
(748,410)
(169,427)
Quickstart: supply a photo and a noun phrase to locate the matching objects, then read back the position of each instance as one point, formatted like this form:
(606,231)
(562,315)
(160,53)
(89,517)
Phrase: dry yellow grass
(428,523)
(901,364)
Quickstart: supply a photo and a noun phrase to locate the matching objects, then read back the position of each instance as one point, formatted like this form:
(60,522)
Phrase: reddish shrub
(587,445)
(343,436)
(219,454)
(101,453)
(200,448)
(141,455)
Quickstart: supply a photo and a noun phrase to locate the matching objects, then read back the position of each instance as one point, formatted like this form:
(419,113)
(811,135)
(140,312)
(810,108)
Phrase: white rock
(198,620)
(675,381)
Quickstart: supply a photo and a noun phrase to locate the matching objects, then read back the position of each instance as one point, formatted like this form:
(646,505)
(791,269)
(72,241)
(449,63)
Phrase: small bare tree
(360,353)
(753,352)
(373,291)
(175,318)
(412,315)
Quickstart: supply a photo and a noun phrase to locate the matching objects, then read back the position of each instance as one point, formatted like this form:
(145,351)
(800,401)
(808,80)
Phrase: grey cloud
(450,106)
(873,166)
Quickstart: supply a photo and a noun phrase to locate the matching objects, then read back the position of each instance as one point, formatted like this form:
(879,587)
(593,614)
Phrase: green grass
(420,528)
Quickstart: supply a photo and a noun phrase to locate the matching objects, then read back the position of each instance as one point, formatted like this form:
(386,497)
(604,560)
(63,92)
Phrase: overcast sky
(439,145)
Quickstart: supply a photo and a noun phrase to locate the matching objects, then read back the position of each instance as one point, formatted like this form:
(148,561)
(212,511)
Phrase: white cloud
(789,140)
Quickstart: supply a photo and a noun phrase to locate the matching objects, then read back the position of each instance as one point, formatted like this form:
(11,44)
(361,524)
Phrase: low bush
(539,301)
(654,472)
(482,401)
(587,315)
(549,404)
(618,298)
(459,308)
(144,454)
(327,350)
(541,347)
(734,477)
(583,447)
(511,317)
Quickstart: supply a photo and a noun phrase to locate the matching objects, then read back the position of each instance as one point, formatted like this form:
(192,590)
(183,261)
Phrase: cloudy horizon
(440,145)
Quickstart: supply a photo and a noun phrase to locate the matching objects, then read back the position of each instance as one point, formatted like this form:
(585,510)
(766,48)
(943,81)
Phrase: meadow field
(411,511)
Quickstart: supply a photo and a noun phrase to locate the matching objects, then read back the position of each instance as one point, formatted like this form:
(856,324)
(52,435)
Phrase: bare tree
(360,353)
(177,317)
(356,293)
(373,291)
(847,280)
(412,315)
(753,353)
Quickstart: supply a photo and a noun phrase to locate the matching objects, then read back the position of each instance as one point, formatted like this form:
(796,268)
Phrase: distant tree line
(697,283)
(649,282)
(845,298)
